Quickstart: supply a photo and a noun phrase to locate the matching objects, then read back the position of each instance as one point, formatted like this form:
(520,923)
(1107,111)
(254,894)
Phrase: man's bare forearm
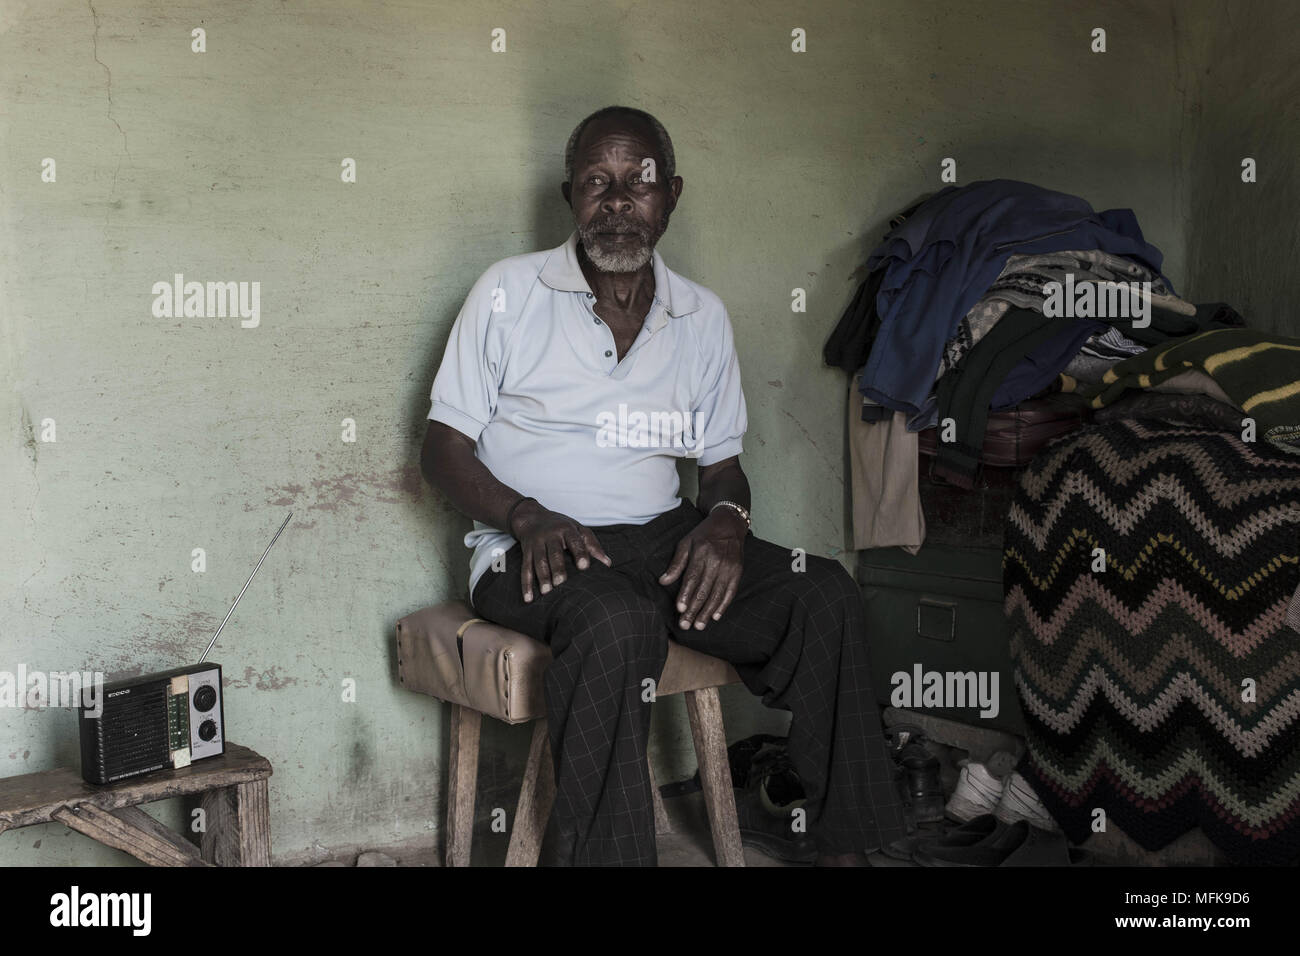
(723,481)
(450,465)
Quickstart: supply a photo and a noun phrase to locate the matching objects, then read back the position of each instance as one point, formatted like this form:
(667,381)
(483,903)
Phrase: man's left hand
(712,557)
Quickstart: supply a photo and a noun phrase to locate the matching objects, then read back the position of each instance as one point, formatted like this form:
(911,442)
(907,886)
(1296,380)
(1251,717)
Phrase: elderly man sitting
(573,380)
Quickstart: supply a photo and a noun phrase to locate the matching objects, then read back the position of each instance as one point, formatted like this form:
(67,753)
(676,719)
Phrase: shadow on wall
(1244,237)
(551,223)
(449,526)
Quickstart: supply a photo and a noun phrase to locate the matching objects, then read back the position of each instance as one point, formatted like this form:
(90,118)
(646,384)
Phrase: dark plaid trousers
(796,637)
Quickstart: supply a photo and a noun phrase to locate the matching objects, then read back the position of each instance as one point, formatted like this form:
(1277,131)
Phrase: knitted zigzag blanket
(1164,690)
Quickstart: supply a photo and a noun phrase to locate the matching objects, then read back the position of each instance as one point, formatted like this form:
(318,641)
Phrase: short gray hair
(662,139)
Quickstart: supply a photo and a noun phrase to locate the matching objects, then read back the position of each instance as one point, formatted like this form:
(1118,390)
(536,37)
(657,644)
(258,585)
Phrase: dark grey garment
(1198,411)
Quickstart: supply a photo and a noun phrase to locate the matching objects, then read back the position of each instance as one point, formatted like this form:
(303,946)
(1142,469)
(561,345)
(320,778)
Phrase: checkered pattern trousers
(796,638)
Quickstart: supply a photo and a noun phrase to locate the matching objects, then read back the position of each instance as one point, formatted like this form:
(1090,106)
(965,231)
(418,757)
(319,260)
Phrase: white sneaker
(1019,802)
(977,793)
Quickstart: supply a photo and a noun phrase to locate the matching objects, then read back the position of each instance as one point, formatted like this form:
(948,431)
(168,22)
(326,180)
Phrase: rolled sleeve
(721,412)
(464,393)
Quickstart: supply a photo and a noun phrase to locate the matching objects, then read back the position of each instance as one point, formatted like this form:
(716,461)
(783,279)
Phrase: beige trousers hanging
(884,472)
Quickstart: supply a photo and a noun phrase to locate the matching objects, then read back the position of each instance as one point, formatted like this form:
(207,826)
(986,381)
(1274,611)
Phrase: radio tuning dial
(205,698)
(207,729)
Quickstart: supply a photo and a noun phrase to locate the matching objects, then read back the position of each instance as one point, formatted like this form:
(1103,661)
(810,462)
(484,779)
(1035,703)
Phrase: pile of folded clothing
(980,299)
(1005,325)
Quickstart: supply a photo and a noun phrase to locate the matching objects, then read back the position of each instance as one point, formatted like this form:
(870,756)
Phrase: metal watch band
(739,509)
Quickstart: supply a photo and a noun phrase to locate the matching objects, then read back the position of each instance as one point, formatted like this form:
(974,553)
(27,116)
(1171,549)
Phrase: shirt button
(608,353)
(597,321)
(590,296)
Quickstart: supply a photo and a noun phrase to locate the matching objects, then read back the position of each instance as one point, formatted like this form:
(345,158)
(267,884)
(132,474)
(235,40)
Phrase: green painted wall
(1245,237)
(175,434)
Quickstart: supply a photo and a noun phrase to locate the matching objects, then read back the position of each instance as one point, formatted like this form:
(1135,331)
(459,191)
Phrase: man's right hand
(543,537)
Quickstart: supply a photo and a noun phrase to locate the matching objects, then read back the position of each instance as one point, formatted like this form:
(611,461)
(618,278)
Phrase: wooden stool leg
(237,825)
(462,781)
(536,796)
(134,831)
(705,712)
(662,823)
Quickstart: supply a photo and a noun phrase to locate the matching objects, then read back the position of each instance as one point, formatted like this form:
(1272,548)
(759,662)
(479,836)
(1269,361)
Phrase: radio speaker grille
(131,736)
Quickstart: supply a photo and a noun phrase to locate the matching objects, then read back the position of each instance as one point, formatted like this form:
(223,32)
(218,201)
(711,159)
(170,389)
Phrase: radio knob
(207,729)
(205,698)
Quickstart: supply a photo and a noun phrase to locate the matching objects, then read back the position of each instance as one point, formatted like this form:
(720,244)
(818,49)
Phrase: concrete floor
(690,844)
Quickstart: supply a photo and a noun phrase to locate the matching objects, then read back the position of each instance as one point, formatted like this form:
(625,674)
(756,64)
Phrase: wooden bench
(234,796)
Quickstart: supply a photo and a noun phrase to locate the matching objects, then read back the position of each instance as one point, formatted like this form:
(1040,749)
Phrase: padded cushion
(499,672)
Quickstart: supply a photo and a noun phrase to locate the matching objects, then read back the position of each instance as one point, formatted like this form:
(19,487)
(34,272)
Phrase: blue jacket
(943,258)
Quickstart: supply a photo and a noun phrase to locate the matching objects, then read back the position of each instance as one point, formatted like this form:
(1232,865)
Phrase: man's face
(619,215)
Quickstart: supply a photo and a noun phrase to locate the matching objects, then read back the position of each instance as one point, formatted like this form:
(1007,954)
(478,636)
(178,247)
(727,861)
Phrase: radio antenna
(241,593)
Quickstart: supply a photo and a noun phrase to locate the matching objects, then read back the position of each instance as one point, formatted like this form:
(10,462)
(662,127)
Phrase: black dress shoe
(924,791)
(770,832)
(917,776)
(1016,845)
(968,834)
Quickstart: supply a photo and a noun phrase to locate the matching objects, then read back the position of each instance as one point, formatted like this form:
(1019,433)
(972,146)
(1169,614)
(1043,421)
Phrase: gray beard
(624,260)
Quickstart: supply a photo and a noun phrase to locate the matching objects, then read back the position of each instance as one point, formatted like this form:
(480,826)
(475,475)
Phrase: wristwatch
(734,507)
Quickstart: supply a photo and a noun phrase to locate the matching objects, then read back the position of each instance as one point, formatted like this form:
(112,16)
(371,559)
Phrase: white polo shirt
(531,374)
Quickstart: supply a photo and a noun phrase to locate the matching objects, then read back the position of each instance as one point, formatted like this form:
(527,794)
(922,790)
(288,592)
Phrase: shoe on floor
(992,850)
(917,777)
(1020,802)
(765,810)
(967,834)
(1015,845)
(922,788)
(977,793)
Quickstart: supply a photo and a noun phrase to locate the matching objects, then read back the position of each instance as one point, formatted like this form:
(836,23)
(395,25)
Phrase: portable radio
(161,721)
(155,722)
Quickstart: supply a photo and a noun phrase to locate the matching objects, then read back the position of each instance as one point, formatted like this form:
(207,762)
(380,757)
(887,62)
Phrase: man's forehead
(616,136)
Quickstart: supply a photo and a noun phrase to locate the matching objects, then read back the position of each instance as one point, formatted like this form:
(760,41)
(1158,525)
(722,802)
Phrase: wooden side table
(234,799)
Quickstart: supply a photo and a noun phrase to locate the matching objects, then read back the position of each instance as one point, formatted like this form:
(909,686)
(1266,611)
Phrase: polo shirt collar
(562,273)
